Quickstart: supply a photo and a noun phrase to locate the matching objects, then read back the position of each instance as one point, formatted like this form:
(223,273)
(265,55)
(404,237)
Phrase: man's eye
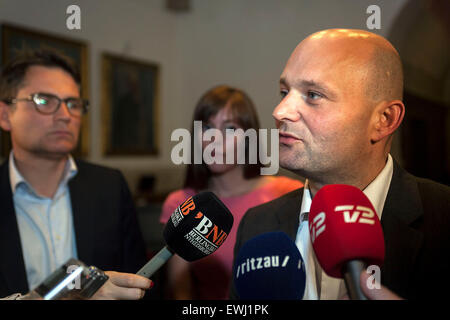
(283,93)
(41,101)
(74,104)
(314,95)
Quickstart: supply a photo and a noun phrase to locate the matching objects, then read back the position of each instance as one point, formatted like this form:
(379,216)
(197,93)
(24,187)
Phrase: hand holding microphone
(196,228)
(346,234)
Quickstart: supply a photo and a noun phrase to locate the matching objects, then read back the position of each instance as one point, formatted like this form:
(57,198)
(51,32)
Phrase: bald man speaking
(341,102)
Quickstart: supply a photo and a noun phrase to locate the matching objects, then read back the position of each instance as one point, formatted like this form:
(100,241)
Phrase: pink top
(211,275)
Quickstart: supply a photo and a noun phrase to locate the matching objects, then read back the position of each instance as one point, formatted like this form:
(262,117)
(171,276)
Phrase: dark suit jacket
(106,228)
(416,227)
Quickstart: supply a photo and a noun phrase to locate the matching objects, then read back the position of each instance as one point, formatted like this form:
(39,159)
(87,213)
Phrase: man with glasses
(53,207)
(47,103)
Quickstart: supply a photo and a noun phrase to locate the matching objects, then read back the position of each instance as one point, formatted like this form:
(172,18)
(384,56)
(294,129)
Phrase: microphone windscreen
(198,227)
(269,267)
(344,226)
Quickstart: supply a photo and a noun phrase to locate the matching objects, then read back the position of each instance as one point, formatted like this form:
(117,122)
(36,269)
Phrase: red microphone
(346,234)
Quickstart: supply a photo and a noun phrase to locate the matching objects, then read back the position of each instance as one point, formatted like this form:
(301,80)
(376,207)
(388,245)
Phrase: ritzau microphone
(269,267)
(346,234)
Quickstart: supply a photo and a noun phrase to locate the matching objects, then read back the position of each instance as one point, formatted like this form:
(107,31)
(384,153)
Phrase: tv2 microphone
(346,234)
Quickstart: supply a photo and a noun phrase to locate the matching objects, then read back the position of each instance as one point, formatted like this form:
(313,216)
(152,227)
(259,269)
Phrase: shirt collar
(376,191)
(16,178)
(306,202)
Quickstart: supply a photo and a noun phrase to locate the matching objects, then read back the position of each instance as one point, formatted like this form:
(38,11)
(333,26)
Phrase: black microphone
(196,228)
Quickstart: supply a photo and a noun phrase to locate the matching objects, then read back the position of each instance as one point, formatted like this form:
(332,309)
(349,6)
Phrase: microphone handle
(352,272)
(155,263)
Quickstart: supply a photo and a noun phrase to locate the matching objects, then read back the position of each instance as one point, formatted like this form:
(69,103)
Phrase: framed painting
(14,39)
(129,106)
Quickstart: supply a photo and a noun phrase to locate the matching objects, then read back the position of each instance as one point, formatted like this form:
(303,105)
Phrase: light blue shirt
(45,224)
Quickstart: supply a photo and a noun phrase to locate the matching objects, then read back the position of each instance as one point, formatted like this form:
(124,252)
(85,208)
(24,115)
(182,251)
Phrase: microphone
(346,234)
(196,228)
(269,267)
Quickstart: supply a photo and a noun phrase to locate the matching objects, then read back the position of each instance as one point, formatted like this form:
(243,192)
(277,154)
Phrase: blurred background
(185,47)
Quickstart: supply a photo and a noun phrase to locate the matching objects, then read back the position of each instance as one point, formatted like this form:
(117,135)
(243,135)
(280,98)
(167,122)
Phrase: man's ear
(388,117)
(5,124)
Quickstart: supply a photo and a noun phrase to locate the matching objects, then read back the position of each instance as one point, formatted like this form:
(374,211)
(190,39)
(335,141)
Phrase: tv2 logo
(361,214)
(351,214)
(317,226)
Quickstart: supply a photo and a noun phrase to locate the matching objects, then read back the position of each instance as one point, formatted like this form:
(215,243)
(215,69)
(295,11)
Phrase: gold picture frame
(130,104)
(15,39)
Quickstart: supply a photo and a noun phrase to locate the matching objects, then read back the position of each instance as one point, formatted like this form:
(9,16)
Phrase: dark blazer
(416,227)
(106,228)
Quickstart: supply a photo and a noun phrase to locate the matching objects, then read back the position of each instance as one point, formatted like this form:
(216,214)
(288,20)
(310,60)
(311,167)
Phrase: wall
(242,43)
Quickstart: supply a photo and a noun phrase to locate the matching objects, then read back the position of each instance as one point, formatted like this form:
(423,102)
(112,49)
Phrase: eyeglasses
(47,103)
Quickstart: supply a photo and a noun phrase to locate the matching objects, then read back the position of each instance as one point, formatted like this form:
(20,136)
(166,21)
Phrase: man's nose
(63,112)
(287,110)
